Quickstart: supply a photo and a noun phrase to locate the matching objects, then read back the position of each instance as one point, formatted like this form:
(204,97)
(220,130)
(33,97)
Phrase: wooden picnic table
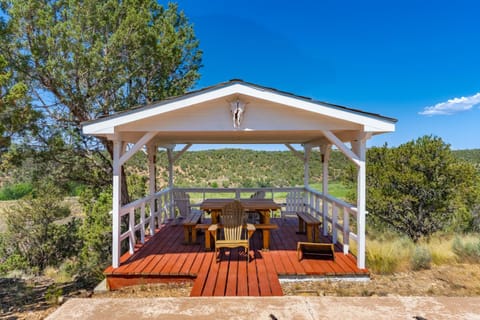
(263,206)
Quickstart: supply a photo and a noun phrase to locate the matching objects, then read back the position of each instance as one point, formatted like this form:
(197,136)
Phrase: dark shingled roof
(238,81)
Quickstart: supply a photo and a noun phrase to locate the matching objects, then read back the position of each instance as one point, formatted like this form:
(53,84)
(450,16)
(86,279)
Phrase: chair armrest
(250,227)
(213,227)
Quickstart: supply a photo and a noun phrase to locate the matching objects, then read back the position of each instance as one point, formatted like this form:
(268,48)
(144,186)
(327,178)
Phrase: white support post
(116,203)
(170,167)
(152,183)
(306,166)
(170,178)
(325,150)
(360,147)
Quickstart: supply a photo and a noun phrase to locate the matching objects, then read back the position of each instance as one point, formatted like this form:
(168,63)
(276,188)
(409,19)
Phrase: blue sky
(417,61)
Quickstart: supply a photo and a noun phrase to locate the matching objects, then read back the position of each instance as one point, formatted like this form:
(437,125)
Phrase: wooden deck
(164,258)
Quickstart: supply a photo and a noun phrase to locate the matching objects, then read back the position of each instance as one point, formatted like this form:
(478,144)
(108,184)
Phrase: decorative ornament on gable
(237,107)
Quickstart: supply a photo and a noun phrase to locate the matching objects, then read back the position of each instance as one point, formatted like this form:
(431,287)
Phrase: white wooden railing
(335,215)
(150,212)
(145,214)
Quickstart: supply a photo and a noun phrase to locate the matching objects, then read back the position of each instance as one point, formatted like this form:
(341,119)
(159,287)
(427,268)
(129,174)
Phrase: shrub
(468,250)
(16,191)
(38,231)
(421,258)
(96,235)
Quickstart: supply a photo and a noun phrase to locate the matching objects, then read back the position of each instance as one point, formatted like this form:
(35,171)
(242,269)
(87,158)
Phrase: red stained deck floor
(164,258)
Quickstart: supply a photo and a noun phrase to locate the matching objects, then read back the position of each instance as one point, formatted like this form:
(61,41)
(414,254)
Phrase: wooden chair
(233,221)
(254,216)
(181,201)
(293,204)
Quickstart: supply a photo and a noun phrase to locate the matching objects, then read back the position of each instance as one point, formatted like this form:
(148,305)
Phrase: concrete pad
(291,307)
(101,287)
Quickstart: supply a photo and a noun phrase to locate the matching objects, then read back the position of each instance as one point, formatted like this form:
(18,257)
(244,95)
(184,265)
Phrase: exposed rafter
(137,146)
(342,147)
(298,154)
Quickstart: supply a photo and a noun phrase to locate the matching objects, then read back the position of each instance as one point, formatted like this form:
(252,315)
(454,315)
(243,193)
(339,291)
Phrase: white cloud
(452,106)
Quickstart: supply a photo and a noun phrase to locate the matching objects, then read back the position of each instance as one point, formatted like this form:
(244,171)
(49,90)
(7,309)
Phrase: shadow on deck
(164,258)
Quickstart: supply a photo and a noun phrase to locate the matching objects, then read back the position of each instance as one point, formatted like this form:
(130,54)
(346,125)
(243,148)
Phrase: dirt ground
(36,300)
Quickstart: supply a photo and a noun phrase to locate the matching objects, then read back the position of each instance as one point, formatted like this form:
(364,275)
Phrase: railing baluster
(131,229)
(152,216)
(142,223)
(334,223)
(346,231)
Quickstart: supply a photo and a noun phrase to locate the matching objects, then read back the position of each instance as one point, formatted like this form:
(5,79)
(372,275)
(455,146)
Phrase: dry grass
(448,280)
(389,255)
(57,275)
(440,248)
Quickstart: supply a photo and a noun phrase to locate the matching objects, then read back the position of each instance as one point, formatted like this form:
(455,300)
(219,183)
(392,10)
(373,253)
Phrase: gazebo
(239,112)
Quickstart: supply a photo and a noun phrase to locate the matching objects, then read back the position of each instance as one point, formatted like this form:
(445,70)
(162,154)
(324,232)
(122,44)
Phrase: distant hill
(243,168)
(470,155)
(251,168)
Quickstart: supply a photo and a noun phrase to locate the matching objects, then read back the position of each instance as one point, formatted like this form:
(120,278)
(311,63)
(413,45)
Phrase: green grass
(336,189)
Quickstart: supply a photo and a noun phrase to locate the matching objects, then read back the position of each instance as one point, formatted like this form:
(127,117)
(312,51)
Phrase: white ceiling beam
(342,147)
(137,146)
(179,153)
(299,155)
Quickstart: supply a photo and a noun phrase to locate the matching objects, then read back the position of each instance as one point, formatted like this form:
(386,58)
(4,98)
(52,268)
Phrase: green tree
(37,230)
(87,59)
(16,114)
(416,188)
(96,234)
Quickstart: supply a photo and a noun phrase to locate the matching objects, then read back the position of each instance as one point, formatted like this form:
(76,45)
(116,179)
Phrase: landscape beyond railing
(141,217)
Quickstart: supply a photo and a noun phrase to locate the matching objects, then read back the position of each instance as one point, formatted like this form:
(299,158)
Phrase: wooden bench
(323,250)
(266,227)
(310,225)
(189,224)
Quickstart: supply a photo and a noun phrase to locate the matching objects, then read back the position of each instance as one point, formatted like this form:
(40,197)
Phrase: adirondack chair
(236,233)
(293,204)
(181,201)
(254,216)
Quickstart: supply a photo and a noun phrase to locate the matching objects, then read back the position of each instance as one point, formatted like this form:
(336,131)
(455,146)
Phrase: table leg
(266,239)
(301,226)
(186,234)
(310,233)
(207,240)
(194,235)
(266,216)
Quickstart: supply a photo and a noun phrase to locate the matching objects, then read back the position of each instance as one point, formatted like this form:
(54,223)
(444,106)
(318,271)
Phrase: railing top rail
(330,198)
(226,190)
(138,203)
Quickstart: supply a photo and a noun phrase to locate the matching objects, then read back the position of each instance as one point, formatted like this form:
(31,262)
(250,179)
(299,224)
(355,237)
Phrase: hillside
(241,168)
(250,168)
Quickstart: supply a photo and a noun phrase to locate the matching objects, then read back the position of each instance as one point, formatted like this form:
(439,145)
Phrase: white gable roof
(270,116)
